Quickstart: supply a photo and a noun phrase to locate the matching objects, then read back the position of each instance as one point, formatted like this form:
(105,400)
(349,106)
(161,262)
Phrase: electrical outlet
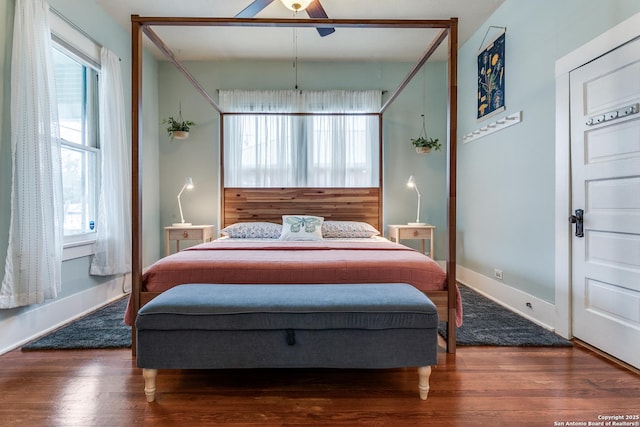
(497,273)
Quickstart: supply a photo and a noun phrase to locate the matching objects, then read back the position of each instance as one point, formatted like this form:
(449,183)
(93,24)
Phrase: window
(263,153)
(342,151)
(318,148)
(77,97)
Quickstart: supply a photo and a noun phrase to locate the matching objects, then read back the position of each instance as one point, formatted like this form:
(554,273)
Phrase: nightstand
(204,233)
(416,232)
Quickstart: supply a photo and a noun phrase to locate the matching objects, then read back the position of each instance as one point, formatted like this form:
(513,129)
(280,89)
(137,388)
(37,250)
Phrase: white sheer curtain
(113,241)
(260,149)
(34,254)
(342,150)
(266,150)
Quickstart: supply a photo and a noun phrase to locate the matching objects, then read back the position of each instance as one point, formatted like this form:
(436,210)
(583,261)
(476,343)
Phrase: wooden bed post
(380,173)
(221,220)
(136,169)
(452,156)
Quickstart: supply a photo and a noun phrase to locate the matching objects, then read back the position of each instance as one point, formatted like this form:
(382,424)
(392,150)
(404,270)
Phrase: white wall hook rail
(500,124)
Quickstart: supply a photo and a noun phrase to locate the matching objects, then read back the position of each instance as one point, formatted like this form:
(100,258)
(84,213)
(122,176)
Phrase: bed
(337,251)
(269,204)
(256,259)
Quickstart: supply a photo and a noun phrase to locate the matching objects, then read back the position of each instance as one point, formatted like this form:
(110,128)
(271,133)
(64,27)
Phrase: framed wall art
(491,77)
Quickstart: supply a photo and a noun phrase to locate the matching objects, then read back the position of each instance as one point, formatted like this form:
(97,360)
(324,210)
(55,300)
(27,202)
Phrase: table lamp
(188,184)
(411,183)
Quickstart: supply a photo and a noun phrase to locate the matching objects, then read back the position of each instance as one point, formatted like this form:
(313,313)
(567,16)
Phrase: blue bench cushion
(276,307)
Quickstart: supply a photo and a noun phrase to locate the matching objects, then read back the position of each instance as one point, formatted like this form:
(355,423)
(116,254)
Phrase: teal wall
(506,182)
(101,27)
(198,156)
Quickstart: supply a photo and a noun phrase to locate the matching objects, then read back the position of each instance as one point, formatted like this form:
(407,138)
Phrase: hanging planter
(180,134)
(178,128)
(423,143)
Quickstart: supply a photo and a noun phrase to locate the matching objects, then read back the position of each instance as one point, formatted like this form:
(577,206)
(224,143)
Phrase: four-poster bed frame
(372,210)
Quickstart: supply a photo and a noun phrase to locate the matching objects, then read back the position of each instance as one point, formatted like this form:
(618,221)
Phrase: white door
(605,169)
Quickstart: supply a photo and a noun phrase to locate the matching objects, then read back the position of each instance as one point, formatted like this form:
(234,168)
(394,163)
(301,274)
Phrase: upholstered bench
(207,326)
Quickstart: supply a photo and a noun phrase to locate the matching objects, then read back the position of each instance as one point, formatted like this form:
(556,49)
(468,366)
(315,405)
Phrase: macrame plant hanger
(424,103)
(424,126)
(180,119)
(182,133)
(423,133)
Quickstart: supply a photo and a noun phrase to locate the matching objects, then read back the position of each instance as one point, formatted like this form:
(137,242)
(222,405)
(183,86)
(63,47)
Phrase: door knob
(578,220)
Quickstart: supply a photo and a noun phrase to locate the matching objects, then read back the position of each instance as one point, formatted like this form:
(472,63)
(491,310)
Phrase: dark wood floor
(478,386)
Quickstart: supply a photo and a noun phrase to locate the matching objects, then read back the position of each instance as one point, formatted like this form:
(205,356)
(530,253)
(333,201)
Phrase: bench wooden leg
(423,381)
(149,376)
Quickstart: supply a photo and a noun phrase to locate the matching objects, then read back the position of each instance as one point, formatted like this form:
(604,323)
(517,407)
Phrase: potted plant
(178,128)
(424,144)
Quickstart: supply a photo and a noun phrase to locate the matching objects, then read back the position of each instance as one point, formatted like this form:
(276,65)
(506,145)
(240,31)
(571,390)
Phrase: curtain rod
(75,27)
(384,91)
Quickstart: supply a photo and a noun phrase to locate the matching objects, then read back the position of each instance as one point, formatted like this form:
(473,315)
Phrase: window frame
(304,147)
(73,42)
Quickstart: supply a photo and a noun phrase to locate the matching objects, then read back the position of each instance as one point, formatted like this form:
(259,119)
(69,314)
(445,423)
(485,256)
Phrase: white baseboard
(537,310)
(32,323)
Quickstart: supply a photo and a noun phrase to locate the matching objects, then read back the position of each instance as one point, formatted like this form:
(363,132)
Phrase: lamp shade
(296,5)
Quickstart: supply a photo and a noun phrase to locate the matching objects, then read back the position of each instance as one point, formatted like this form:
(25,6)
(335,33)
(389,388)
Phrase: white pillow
(348,230)
(253,230)
(301,227)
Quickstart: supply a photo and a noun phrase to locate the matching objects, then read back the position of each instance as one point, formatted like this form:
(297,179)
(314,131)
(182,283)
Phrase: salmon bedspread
(235,261)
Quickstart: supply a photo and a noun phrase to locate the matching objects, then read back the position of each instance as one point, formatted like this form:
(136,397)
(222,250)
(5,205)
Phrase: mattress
(272,261)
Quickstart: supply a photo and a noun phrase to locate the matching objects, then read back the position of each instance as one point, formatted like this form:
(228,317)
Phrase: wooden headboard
(334,204)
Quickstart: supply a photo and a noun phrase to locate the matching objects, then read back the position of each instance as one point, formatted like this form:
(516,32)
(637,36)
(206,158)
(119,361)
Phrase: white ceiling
(232,43)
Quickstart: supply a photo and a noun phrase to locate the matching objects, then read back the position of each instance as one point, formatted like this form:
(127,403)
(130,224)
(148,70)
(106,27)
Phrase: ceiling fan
(313,8)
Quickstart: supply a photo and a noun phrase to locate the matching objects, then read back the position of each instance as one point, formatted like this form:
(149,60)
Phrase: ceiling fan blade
(315,10)
(254,8)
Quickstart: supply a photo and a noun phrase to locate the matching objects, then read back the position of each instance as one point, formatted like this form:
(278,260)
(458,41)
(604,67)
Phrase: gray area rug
(103,328)
(486,322)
